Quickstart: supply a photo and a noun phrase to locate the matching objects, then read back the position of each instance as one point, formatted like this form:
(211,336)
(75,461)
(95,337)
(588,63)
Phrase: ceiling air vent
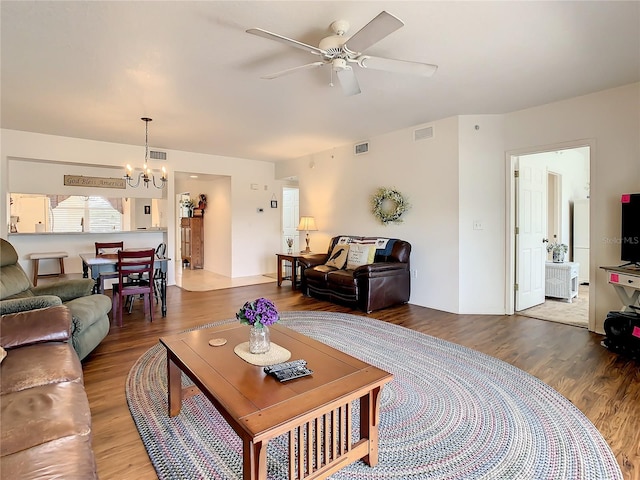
(361,148)
(423,133)
(157,155)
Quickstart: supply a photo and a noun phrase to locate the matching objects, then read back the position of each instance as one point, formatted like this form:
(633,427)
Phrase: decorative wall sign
(100,182)
(274,202)
(388,205)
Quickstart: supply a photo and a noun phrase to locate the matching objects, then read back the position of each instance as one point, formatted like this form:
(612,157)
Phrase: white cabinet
(561,280)
(581,238)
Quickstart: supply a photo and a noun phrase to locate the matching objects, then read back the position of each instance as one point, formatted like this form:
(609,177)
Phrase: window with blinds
(85,214)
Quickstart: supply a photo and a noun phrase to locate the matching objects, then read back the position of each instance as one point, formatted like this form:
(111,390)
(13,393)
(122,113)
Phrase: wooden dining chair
(101,249)
(161,251)
(140,263)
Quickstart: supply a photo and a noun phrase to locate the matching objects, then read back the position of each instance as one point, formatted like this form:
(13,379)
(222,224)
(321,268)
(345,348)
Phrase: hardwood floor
(604,386)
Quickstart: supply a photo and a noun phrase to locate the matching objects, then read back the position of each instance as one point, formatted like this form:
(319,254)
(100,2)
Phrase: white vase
(558,256)
(259,341)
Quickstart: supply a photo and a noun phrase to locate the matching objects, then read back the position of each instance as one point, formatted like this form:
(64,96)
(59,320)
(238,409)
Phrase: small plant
(556,247)
(258,313)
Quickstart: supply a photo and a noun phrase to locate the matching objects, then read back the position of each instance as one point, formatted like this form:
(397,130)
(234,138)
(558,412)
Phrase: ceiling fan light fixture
(339,64)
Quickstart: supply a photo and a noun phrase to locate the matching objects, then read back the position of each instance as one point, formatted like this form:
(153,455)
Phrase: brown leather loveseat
(368,273)
(45,429)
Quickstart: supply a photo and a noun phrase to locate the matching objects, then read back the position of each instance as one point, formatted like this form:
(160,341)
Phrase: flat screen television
(630,242)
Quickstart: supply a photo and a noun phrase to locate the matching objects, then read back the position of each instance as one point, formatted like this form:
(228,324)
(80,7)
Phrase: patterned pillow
(338,256)
(360,254)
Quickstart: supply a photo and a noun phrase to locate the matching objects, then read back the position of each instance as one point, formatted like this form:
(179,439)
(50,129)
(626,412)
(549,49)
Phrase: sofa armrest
(66,289)
(22,304)
(313,260)
(52,324)
(380,269)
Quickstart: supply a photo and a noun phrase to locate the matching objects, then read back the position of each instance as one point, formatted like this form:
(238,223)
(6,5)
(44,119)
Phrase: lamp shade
(307,224)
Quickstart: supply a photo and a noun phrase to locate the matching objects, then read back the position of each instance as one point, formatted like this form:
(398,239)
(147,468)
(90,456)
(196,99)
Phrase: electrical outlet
(477,225)
(414,273)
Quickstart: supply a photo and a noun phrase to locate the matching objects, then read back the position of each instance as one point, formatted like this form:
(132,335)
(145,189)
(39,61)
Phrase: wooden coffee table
(316,411)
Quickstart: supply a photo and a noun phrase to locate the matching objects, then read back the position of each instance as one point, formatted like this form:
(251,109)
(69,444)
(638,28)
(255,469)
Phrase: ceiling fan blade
(348,81)
(288,71)
(287,41)
(373,32)
(397,66)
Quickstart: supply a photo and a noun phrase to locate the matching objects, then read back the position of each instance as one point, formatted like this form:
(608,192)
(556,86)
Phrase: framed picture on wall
(274,204)
(147,209)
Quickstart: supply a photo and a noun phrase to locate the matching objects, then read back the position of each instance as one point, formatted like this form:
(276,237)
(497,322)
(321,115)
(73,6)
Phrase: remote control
(289,370)
(283,366)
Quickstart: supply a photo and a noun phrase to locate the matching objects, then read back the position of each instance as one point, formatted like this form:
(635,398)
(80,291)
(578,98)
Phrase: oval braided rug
(449,413)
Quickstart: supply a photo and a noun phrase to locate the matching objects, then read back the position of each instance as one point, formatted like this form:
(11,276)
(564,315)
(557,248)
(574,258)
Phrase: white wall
(482,199)
(219,235)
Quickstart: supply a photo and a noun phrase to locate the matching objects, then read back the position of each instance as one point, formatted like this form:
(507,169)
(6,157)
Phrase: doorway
(290,217)
(542,212)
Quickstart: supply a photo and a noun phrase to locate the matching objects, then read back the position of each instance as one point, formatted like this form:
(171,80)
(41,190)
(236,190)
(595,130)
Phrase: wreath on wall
(388,205)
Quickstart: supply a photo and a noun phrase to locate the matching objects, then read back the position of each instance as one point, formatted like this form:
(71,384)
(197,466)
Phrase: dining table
(104,266)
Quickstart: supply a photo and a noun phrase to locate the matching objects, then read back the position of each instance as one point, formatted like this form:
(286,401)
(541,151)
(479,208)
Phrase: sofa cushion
(13,282)
(29,327)
(338,257)
(43,414)
(37,365)
(318,273)
(63,458)
(360,254)
(341,278)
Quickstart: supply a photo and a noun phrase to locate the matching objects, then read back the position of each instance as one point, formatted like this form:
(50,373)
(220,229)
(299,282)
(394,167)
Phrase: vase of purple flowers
(258,314)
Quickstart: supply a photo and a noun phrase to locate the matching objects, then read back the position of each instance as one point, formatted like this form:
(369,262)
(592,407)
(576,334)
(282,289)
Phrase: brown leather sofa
(45,429)
(384,282)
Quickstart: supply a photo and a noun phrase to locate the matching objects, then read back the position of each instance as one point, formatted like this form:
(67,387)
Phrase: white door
(531,222)
(290,217)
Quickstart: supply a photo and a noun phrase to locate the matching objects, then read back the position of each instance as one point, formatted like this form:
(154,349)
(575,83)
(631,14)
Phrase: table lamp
(307,224)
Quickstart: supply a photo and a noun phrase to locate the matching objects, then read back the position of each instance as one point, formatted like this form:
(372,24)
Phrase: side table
(292,258)
(561,280)
(626,281)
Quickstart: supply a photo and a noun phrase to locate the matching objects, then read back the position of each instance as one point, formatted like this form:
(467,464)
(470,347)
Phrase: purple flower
(260,312)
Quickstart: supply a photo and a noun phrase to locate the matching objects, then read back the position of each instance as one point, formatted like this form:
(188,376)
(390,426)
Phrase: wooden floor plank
(603,385)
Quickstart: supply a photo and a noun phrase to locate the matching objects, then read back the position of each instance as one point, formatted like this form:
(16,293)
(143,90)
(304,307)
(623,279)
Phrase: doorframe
(510,217)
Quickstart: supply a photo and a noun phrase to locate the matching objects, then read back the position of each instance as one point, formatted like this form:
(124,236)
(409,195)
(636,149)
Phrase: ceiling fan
(341,51)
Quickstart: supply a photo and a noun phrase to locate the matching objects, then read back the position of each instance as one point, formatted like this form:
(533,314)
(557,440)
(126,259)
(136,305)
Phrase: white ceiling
(91,69)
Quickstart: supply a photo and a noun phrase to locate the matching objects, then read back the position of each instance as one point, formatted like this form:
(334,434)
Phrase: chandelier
(146,174)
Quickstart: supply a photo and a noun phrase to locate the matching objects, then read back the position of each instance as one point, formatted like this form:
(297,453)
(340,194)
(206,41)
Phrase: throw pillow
(3,353)
(360,255)
(338,256)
